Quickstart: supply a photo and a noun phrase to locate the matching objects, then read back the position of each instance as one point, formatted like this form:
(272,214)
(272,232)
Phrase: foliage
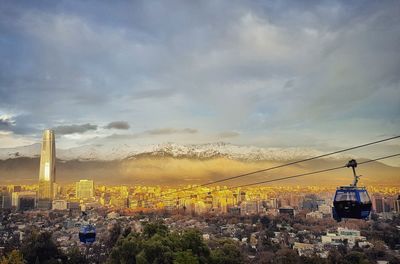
(38,246)
(113,235)
(185,257)
(158,245)
(75,256)
(228,252)
(150,229)
(15,257)
(286,256)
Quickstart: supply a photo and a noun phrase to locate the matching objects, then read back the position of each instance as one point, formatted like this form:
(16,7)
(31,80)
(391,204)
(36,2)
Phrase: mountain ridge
(110,152)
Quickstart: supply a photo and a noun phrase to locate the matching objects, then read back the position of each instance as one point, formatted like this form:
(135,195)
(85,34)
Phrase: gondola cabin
(351,202)
(87,234)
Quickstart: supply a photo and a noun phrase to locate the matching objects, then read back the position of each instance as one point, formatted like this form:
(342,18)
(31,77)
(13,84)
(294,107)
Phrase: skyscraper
(47,174)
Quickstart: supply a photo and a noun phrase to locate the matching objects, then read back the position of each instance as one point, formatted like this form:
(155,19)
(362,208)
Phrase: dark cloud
(169,131)
(228,134)
(219,65)
(118,125)
(6,123)
(74,129)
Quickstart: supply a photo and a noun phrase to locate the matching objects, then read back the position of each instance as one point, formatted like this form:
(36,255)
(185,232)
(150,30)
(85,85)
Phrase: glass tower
(47,174)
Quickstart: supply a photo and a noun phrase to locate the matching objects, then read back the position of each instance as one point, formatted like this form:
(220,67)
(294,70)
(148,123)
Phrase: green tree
(113,235)
(227,253)
(158,249)
(150,229)
(14,257)
(39,246)
(355,257)
(192,240)
(286,256)
(126,250)
(185,257)
(75,256)
(335,257)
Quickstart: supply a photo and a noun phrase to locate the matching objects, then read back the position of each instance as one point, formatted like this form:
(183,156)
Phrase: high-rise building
(5,199)
(47,173)
(24,200)
(84,189)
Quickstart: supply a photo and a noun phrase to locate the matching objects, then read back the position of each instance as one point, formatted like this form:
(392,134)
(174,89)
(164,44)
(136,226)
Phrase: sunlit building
(59,205)
(343,236)
(5,199)
(47,173)
(85,189)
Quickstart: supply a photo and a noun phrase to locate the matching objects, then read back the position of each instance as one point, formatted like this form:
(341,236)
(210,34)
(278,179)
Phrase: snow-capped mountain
(200,151)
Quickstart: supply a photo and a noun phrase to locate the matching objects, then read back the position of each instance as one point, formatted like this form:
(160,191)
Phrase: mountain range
(105,152)
(175,164)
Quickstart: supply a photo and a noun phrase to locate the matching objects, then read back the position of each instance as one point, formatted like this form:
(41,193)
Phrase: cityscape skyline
(199,132)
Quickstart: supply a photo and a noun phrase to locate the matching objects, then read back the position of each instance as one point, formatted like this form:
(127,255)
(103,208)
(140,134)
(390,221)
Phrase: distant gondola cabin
(87,234)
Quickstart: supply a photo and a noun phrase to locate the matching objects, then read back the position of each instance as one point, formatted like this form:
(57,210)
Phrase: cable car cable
(292,176)
(283,165)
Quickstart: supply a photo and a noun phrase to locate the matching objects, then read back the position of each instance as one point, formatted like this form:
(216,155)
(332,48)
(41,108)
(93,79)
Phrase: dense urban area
(143,224)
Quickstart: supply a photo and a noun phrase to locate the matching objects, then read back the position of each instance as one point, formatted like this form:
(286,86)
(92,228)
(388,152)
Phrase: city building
(24,201)
(47,173)
(287,210)
(314,215)
(382,204)
(343,235)
(5,200)
(85,189)
(325,209)
(249,207)
(59,205)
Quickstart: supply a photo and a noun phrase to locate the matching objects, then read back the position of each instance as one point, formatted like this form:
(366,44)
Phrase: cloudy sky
(321,74)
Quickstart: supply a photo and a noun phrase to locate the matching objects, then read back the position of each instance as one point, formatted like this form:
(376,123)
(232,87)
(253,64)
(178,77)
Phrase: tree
(335,257)
(113,235)
(227,253)
(150,229)
(39,246)
(75,256)
(192,240)
(126,250)
(185,257)
(15,257)
(355,257)
(286,256)
(158,249)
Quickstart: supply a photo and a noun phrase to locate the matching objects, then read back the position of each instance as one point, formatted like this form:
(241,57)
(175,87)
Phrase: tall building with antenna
(47,173)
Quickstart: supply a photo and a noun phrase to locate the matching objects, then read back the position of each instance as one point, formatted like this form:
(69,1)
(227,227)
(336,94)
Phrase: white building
(342,236)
